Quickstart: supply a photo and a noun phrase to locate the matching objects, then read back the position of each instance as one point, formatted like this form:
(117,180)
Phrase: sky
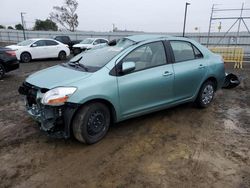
(136,15)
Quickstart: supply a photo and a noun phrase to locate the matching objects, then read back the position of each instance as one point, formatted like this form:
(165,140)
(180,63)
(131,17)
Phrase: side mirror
(95,43)
(128,67)
(34,45)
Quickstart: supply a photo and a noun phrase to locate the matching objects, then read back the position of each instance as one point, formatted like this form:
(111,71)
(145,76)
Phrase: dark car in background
(67,40)
(8,61)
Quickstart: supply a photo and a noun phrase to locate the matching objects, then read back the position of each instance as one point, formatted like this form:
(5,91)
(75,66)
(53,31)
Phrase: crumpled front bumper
(54,120)
(231,81)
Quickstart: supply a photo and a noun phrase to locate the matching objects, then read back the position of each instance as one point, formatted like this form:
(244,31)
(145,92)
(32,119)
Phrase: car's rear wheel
(2,71)
(91,123)
(25,57)
(206,94)
(62,55)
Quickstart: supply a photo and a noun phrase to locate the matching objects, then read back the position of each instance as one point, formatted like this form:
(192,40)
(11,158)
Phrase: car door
(52,48)
(37,49)
(150,85)
(189,67)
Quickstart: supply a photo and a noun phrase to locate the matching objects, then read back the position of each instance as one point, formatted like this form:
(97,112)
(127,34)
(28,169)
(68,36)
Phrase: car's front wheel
(206,94)
(91,123)
(2,71)
(25,57)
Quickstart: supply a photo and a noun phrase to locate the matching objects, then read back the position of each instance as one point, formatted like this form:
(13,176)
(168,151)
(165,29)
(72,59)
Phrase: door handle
(201,66)
(167,73)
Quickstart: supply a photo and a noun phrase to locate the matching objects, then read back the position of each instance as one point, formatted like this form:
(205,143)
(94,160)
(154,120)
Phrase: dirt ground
(179,147)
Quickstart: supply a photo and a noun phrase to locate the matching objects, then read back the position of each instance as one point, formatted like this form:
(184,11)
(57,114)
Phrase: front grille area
(51,118)
(30,92)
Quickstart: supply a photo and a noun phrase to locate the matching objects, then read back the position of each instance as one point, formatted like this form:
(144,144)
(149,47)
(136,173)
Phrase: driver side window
(147,56)
(40,43)
(96,42)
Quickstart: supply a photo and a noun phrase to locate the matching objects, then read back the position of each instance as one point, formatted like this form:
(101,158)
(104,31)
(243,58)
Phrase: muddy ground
(179,147)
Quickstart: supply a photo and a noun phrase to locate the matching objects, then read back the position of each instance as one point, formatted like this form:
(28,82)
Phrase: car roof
(95,38)
(60,36)
(41,39)
(140,38)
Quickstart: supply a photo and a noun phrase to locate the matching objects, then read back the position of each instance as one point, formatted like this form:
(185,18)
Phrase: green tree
(66,15)
(10,27)
(46,25)
(2,27)
(19,26)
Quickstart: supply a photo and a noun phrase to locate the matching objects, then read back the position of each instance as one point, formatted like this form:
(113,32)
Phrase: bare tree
(66,15)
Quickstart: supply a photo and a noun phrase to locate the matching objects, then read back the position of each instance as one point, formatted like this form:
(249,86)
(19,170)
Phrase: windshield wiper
(77,64)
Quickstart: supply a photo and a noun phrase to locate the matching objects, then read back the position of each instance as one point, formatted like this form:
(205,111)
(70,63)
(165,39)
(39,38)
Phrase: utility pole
(22,19)
(240,18)
(210,24)
(185,16)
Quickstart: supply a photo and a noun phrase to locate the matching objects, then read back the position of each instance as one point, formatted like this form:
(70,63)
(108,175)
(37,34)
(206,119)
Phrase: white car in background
(41,48)
(87,44)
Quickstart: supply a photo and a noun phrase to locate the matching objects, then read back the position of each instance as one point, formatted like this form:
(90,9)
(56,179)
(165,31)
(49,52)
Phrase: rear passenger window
(51,43)
(183,51)
(197,53)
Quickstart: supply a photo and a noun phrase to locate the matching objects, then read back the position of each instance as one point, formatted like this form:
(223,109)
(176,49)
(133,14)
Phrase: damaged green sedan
(129,77)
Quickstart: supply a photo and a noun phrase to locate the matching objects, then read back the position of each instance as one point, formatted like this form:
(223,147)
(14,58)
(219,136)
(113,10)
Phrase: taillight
(11,53)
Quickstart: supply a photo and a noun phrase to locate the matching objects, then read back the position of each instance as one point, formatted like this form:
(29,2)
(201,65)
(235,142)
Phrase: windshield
(25,43)
(96,58)
(124,43)
(87,41)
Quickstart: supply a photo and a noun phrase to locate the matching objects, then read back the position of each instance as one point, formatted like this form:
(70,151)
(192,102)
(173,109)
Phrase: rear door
(190,69)
(52,48)
(150,85)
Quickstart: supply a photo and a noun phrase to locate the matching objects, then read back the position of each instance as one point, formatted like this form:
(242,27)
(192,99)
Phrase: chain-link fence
(216,39)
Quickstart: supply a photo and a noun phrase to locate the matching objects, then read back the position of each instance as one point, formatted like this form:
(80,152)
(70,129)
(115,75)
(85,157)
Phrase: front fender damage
(54,120)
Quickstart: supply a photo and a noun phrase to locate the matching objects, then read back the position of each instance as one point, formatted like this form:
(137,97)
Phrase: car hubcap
(207,94)
(96,123)
(26,58)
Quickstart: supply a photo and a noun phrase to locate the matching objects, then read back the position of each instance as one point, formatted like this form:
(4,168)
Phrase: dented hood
(56,76)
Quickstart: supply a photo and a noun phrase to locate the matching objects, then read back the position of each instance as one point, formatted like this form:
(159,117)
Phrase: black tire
(62,55)
(206,94)
(2,71)
(91,123)
(25,57)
